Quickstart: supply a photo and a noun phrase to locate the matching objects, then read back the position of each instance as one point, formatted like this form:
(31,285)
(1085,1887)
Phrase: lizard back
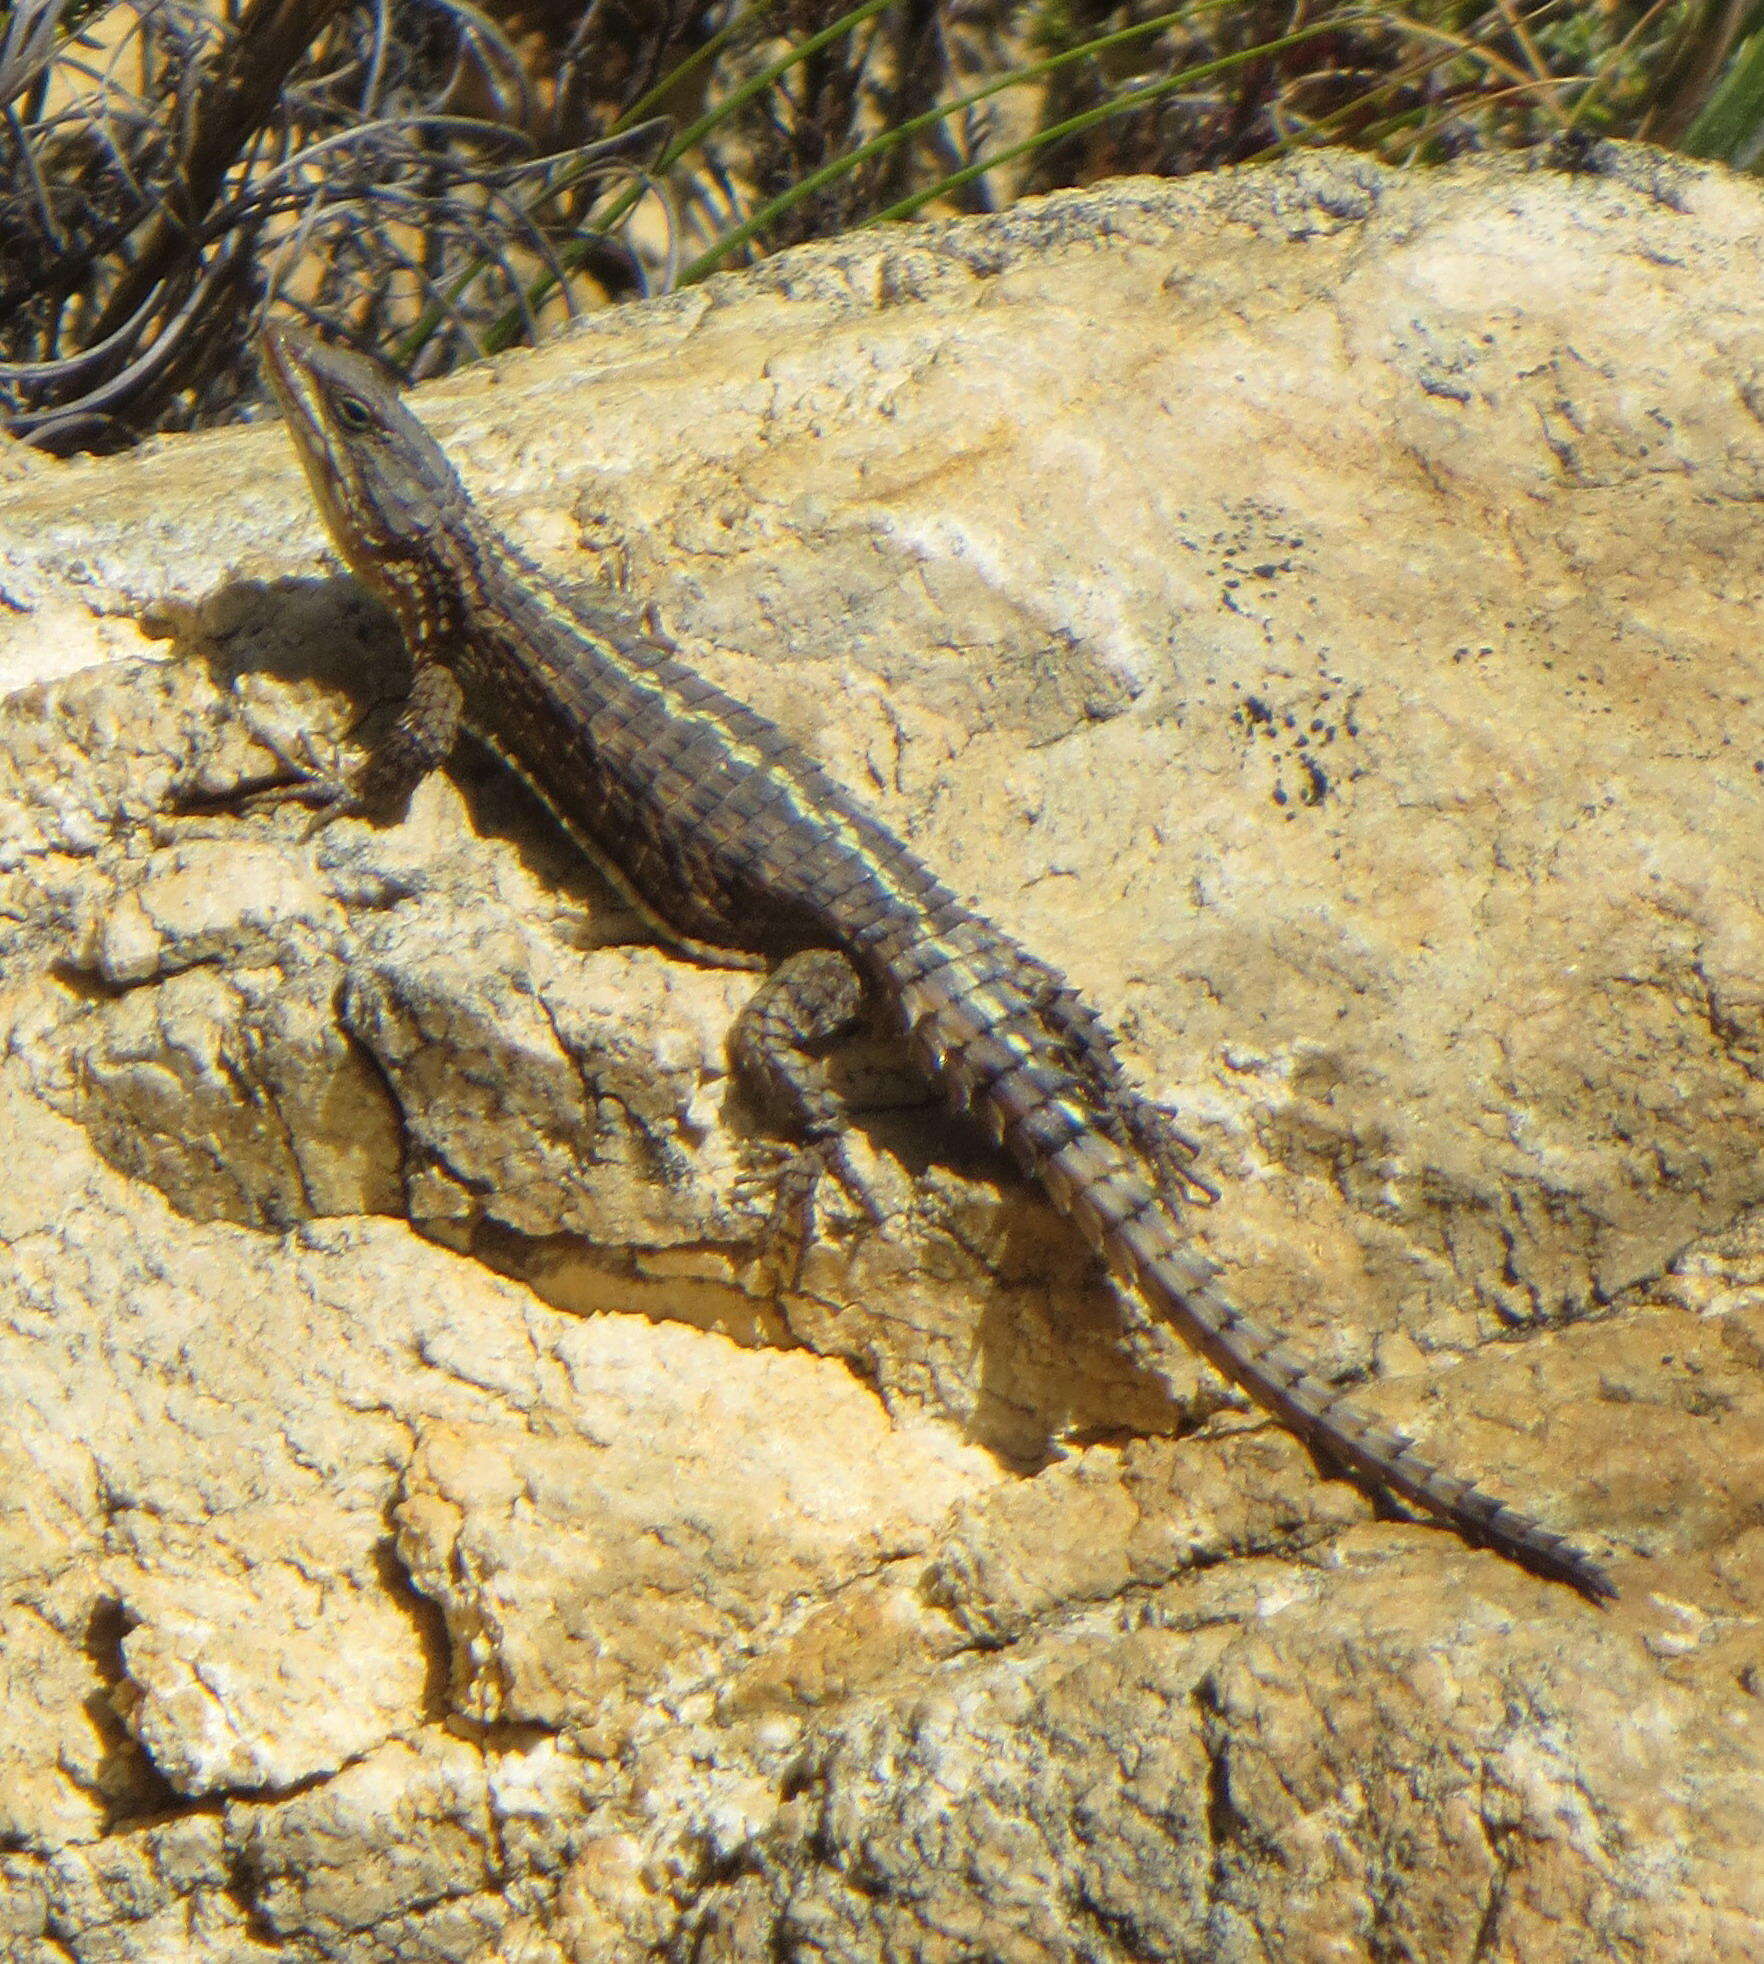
(730,833)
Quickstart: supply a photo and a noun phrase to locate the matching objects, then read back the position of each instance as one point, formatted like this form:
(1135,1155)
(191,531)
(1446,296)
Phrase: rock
(1312,606)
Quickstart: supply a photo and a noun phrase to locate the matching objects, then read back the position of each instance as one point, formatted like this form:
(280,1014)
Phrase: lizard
(738,849)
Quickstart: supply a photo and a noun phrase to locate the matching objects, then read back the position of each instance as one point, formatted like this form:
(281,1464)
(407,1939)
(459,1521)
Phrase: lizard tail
(1127,1221)
(1002,1068)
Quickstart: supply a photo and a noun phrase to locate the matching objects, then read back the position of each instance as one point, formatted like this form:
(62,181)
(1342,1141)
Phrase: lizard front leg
(420,740)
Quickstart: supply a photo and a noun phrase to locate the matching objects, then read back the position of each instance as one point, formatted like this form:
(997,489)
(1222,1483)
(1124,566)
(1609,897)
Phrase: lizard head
(388,495)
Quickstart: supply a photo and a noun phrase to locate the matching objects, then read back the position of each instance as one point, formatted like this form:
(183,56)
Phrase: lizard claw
(312,780)
(309,780)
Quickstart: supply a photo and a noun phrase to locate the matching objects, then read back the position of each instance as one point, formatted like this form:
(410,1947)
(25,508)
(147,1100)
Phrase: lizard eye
(354,414)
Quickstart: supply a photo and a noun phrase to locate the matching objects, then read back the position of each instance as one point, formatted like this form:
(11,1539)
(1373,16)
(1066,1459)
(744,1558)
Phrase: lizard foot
(308,779)
(312,780)
(786,1186)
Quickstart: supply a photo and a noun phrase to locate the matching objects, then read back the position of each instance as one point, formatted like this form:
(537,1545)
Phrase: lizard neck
(463,572)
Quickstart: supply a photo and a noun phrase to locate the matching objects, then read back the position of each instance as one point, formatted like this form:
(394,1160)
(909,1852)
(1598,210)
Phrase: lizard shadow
(1053,1366)
(1058,1369)
(329,633)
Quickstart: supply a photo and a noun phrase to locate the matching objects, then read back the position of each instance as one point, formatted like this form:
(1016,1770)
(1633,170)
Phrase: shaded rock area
(1315,606)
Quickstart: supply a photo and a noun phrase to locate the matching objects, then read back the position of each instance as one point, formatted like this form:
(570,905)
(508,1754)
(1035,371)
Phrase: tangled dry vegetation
(433,179)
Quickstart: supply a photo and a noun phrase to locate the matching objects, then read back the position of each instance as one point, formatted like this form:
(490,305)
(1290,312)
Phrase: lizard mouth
(283,348)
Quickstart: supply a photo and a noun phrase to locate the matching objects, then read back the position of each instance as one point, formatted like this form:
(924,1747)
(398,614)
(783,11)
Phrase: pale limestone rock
(590,1577)
(1314,606)
(266,1680)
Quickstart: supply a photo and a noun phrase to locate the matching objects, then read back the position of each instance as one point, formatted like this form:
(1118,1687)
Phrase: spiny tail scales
(988,1044)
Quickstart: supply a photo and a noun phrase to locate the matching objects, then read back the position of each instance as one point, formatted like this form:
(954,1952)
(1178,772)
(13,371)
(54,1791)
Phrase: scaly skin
(739,849)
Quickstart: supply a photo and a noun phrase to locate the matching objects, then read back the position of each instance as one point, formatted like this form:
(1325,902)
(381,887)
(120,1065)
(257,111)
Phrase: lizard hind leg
(1128,1118)
(809,1003)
